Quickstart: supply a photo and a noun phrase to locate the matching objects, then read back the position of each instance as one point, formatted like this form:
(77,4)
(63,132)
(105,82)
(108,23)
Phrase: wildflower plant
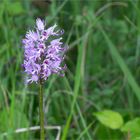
(43,56)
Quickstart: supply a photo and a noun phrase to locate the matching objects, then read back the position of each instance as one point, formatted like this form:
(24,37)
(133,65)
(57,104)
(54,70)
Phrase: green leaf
(15,8)
(110,119)
(134,136)
(132,126)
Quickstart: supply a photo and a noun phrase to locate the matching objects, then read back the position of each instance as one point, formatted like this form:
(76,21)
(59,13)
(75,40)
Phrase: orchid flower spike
(43,52)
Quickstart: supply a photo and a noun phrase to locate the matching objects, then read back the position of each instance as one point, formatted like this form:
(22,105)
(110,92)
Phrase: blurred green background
(99,97)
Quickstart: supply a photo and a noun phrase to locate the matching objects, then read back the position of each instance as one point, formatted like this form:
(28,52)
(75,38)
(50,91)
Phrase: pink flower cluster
(43,52)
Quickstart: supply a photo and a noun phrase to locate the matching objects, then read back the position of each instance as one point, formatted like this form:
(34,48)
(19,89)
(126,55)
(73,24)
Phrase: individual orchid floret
(43,52)
(33,36)
(40,24)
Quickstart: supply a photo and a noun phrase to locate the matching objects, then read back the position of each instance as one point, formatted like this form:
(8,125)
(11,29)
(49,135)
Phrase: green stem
(41,113)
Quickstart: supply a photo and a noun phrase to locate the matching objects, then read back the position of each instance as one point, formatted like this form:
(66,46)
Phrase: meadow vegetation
(99,96)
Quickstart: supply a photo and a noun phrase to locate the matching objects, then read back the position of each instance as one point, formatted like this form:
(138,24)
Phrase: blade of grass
(84,123)
(85,130)
(118,58)
(58,10)
(76,86)
(79,111)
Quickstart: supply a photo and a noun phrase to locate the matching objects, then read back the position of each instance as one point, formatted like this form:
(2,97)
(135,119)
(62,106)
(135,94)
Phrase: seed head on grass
(43,52)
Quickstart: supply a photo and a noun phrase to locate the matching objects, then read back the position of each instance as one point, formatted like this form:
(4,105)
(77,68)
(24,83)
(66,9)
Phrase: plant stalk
(41,112)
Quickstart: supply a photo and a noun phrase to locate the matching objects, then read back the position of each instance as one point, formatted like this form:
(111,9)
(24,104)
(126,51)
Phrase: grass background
(103,72)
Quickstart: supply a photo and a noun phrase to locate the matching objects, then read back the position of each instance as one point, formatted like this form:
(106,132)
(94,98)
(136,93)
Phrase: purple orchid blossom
(43,52)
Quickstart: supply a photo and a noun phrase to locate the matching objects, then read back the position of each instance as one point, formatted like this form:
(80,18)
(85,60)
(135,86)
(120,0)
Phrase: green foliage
(103,71)
(110,118)
(132,127)
(107,133)
(1,13)
(15,8)
(11,123)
